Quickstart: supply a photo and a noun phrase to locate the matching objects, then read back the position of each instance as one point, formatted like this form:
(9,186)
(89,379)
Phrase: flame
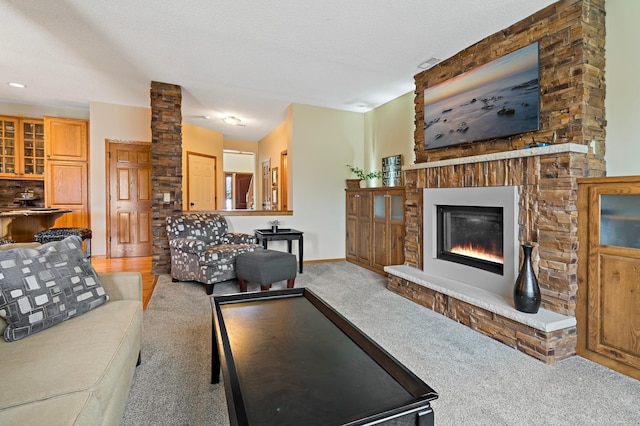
(477,252)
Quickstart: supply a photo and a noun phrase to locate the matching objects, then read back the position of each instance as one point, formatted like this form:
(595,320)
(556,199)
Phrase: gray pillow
(43,286)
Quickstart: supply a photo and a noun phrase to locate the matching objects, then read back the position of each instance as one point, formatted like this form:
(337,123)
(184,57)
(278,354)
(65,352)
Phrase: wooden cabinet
(22,148)
(67,139)
(608,302)
(358,243)
(67,170)
(375,227)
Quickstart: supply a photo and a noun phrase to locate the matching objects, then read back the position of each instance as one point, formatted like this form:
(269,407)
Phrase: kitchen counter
(22,223)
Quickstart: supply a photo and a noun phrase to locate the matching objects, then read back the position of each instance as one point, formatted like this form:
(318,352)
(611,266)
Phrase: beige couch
(77,372)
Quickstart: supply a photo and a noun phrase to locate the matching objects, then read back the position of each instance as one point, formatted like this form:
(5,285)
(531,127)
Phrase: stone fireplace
(571,35)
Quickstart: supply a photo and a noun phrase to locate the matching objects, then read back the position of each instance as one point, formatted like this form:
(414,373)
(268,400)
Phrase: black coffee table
(288,358)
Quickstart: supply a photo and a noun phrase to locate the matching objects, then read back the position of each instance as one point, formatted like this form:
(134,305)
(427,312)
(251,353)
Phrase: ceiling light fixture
(18,85)
(429,63)
(231,120)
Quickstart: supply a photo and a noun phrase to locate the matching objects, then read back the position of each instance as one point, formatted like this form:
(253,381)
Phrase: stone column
(166,159)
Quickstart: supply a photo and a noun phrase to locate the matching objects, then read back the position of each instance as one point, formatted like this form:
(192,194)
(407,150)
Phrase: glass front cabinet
(21,148)
(608,304)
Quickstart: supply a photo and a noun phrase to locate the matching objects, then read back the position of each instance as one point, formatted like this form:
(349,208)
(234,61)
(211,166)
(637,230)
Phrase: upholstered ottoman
(265,267)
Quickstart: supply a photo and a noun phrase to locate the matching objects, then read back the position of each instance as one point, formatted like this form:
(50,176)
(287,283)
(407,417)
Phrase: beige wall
(207,142)
(270,148)
(622,102)
(39,111)
(389,131)
(116,122)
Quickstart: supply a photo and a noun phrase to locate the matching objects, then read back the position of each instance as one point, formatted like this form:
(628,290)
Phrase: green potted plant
(362,176)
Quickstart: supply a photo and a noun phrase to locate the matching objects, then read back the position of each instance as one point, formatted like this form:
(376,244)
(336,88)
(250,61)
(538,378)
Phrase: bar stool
(59,234)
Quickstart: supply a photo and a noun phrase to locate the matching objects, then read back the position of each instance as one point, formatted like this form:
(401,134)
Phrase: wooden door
(241,189)
(201,182)
(129,199)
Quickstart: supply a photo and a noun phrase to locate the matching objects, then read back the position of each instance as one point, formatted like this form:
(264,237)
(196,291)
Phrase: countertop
(30,211)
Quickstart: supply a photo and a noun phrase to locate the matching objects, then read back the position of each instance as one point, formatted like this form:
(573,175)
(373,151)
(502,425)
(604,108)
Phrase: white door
(201,182)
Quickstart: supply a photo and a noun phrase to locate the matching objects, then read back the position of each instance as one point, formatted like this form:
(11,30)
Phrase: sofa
(203,250)
(77,371)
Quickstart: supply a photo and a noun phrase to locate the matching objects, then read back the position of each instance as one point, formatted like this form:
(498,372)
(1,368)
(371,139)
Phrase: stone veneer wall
(9,188)
(166,157)
(571,36)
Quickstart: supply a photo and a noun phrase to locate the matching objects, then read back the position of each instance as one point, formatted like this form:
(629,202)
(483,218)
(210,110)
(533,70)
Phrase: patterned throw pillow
(44,286)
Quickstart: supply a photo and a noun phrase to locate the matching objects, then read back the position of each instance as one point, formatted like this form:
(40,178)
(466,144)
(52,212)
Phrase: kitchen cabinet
(607,314)
(22,148)
(375,227)
(67,170)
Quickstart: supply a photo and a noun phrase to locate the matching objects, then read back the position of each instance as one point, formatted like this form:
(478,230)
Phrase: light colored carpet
(479,380)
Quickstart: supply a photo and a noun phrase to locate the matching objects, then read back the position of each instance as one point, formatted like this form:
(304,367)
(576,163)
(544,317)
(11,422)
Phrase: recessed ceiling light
(18,85)
(206,117)
(233,121)
(429,63)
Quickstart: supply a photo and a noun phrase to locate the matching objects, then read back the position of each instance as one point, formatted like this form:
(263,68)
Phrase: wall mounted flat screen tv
(498,99)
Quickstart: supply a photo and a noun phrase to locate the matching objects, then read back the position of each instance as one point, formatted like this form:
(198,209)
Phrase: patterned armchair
(203,250)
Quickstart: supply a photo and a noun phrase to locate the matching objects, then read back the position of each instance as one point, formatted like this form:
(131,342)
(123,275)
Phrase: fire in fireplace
(471,235)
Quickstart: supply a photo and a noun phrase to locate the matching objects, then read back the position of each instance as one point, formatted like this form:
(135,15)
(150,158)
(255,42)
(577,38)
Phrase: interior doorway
(238,191)
(201,182)
(129,199)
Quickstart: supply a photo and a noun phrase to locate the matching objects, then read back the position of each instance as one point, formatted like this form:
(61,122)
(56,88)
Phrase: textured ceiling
(247,58)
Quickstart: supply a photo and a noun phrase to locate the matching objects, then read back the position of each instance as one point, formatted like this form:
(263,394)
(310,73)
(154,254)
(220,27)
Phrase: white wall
(622,101)
(116,122)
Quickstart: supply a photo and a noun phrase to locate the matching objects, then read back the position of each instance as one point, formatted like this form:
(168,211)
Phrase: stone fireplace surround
(571,36)
(547,219)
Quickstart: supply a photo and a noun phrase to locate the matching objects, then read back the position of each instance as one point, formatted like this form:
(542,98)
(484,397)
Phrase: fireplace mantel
(504,155)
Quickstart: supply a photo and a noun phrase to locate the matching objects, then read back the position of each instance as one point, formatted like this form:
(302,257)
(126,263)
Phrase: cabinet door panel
(67,139)
(67,188)
(352,237)
(380,246)
(608,318)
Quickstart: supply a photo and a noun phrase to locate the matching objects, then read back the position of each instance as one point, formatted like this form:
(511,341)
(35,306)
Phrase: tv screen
(498,99)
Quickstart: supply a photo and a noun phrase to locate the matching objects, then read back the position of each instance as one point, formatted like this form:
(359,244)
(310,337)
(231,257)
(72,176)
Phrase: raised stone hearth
(547,336)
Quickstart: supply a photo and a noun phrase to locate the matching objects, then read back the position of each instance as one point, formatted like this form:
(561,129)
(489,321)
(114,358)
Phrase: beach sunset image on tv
(498,99)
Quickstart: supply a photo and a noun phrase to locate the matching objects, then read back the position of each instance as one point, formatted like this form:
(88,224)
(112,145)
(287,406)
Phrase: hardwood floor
(136,264)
